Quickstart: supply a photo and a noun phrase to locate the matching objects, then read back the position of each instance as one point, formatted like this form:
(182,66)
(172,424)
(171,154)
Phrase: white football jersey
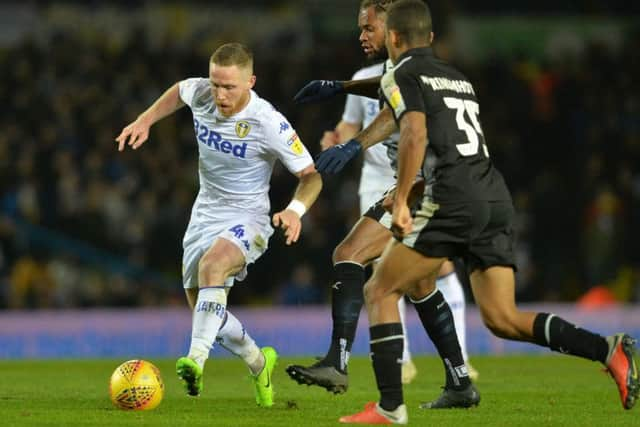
(377,172)
(237,153)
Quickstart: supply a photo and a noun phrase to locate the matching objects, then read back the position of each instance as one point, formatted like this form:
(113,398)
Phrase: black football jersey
(457,166)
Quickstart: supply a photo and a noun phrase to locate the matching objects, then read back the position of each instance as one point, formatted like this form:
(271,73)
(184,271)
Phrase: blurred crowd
(565,134)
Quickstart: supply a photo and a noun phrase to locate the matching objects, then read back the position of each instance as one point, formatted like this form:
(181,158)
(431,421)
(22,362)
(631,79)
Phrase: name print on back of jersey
(213,139)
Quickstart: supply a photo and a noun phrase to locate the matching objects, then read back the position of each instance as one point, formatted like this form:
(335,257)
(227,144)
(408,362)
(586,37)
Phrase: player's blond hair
(380,5)
(233,54)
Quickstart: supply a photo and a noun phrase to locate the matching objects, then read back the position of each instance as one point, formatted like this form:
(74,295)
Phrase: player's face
(231,86)
(371,33)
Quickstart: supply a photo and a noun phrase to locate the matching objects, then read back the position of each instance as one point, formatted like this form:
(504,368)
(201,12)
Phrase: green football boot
(262,381)
(191,374)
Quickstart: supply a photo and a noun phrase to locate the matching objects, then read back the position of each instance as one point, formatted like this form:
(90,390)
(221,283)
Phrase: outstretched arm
(365,87)
(309,186)
(137,132)
(335,158)
(378,130)
(343,132)
(320,90)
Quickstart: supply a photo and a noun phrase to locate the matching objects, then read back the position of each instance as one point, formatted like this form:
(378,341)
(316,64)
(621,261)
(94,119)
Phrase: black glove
(334,159)
(318,90)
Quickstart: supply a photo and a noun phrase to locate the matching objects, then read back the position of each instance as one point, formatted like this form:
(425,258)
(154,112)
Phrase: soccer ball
(136,385)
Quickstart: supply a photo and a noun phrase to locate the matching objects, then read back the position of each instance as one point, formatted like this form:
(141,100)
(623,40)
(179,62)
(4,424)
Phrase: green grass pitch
(516,391)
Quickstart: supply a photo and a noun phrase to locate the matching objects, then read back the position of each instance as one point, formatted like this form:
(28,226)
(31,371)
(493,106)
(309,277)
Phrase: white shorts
(374,182)
(249,233)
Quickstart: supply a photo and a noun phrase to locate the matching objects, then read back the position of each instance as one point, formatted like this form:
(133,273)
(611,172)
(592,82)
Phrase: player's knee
(369,291)
(345,251)
(500,324)
(212,269)
(373,292)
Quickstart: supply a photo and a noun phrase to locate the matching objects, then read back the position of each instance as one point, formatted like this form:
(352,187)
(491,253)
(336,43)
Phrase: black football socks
(437,319)
(387,342)
(559,335)
(346,302)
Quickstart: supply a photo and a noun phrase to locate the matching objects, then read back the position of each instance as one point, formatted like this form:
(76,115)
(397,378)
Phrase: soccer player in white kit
(239,137)
(370,234)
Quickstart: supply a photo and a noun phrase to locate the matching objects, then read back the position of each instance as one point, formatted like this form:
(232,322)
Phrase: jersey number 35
(472,129)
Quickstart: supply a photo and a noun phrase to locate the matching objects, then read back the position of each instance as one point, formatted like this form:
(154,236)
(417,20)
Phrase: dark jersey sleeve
(402,91)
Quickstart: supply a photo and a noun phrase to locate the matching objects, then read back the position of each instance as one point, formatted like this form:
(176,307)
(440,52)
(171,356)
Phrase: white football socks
(453,294)
(402,309)
(235,338)
(208,314)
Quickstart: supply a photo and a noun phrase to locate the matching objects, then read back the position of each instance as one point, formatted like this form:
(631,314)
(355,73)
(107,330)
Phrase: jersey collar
(416,51)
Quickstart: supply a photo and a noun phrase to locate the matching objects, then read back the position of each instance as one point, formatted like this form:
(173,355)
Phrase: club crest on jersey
(295,144)
(242,128)
(214,141)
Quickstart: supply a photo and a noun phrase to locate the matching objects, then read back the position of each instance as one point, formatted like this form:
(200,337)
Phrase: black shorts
(480,232)
(377,212)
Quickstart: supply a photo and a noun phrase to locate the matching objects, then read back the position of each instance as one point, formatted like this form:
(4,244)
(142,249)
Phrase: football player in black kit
(465,211)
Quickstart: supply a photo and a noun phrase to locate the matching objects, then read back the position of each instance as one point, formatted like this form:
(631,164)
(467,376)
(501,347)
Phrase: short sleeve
(354,111)
(284,142)
(402,92)
(194,90)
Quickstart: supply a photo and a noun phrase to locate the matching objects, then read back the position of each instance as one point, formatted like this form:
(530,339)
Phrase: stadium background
(91,238)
